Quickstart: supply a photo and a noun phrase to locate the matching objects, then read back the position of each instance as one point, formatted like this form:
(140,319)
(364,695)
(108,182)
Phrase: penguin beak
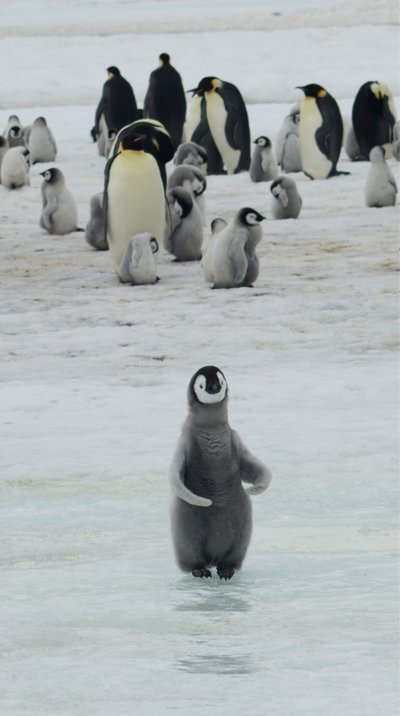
(300,88)
(194,91)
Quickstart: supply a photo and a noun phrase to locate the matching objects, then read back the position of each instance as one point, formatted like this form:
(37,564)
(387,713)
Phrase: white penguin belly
(135,201)
(313,161)
(216,117)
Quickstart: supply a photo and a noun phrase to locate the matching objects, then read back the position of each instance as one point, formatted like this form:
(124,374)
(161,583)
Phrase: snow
(96,618)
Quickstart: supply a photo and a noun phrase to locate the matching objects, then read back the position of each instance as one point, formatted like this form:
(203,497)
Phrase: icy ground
(95,618)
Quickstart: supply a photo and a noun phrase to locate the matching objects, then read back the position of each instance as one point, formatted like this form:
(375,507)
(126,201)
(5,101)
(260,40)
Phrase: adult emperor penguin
(191,153)
(134,197)
(211,514)
(233,261)
(95,233)
(13,132)
(320,132)
(380,188)
(138,266)
(117,103)
(286,201)
(263,166)
(373,116)
(59,211)
(186,236)
(14,172)
(165,99)
(223,113)
(41,144)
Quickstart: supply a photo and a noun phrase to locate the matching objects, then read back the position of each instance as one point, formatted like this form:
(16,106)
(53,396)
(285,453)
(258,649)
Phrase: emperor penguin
(59,211)
(15,166)
(117,103)
(134,197)
(95,234)
(138,266)
(186,236)
(286,201)
(13,131)
(42,145)
(211,513)
(3,149)
(233,261)
(380,188)
(320,132)
(288,134)
(193,179)
(373,117)
(191,153)
(263,166)
(222,114)
(165,99)
(396,141)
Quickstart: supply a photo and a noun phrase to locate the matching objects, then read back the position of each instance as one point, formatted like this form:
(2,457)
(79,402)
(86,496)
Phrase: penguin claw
(202,572)
(225,572)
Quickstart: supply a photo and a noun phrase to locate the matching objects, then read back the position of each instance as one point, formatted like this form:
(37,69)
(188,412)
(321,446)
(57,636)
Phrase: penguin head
(181,199)
(313,91)
(262,141)
(40,122)
(249,217)
(208,386)
(282,184)
(52,176)
(15,132)
(207,84)
(377,155)
(164,59)
(113,71)
(133,141)
(153,244)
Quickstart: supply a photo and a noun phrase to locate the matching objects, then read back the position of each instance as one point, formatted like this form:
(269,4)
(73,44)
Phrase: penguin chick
(13,132)
(380,188)
(207,261)
(234,262)
(396,141)
(286,201)
(186,236)
(190,153)
(138,266)
(211,514)
(95,234)
(289,125)
(15,166)
(59,212)
(263,166)
(41,142)
(193,179)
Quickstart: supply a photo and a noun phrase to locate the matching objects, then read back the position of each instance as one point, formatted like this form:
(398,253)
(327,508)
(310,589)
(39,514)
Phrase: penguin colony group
(141,208)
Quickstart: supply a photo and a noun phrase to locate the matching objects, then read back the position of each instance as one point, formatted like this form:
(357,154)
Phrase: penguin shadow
(212,596)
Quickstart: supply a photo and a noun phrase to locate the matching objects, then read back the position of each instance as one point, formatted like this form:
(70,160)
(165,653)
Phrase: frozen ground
(95,618)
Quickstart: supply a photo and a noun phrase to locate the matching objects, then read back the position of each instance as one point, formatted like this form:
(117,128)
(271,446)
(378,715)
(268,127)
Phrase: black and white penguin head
(249,217)
(207,84)
(208,386)
(113,71)
(262,141)
(377,155)
(164,59)
(313,91)
(133,141)
(181,200)
(53,176)
(40,122)
(282,184)
(157,140)
(15,132)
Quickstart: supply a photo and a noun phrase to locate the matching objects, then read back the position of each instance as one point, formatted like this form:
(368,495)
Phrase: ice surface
(96,619)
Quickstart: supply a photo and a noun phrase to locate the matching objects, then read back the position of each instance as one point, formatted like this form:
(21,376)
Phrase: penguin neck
(210,417)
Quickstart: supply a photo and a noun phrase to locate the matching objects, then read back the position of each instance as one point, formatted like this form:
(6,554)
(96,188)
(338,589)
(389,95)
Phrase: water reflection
(221,664)
(211,596)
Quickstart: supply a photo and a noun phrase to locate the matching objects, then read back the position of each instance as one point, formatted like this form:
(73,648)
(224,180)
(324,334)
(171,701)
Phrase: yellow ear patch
(321,93)
(376,90)
(216,83)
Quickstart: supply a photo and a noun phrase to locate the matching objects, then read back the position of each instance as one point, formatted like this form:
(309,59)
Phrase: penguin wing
(107,169)
(201,135)
(177,478)
(238,258)
(251,469)
(283,198)
(237,123)
(330,135)
(48,212)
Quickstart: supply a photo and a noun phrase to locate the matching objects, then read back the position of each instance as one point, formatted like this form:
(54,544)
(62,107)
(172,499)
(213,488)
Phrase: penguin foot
(202,572)
(225,572)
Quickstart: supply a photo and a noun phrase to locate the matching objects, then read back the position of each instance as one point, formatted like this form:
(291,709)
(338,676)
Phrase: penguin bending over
(134,197)
(165,99)
(193,179)
(320,132)
(191,153)
(230,260)
(373,117)
(15,166)
(186,237)
(59,212)
(380,188)
(221,116)
(138,266)
(211,515)
(95,234)
(263,166)
(286,201)
(41,143)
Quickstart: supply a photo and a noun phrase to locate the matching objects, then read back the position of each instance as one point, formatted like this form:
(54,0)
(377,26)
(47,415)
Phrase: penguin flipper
(202,136)
(177,476)
(237,127)
(107,169)
(251,468)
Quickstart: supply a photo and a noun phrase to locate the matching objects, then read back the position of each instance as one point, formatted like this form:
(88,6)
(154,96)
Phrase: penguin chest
(135,201)
(313,161)
(217,117)
(213,469)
